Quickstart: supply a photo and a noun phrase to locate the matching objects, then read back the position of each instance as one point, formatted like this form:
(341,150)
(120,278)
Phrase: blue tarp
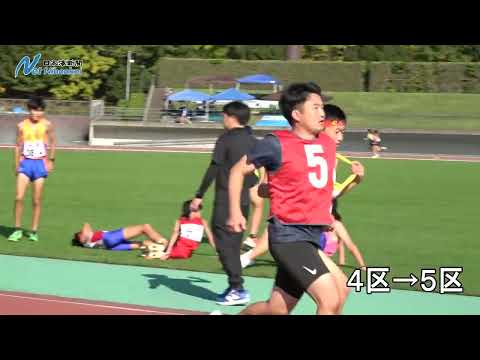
(258,79)
(232,94)
(189,95)
(273,121)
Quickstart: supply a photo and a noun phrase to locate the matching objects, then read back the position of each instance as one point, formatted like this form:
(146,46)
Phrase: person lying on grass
(117,240)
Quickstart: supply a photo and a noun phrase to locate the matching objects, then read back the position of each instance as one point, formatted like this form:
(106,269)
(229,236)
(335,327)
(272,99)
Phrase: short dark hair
(238,110)
(36,103)
(186,208)
(294,95)
(334,112)
(76,239)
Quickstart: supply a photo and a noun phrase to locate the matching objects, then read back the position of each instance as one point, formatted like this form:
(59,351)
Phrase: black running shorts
(298,266)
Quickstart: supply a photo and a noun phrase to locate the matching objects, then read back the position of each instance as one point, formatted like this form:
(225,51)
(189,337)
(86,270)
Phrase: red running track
(17,303)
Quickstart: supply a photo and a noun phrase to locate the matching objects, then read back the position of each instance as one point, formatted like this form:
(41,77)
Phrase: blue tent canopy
(258,79)
(189,95)
(232,94)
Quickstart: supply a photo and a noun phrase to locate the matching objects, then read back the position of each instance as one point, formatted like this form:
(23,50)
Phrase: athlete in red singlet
(300,165)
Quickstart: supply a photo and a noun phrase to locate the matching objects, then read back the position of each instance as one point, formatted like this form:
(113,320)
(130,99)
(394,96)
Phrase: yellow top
(34,138)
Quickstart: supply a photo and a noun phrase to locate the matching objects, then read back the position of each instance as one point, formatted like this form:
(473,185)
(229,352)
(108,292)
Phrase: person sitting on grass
(186,236)
(118,240)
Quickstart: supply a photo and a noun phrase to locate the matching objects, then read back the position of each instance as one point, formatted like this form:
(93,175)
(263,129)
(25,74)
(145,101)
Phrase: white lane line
(475,158)
(93,305)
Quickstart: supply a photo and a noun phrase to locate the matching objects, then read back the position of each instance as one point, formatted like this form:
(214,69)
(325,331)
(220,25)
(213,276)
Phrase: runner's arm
(174,237)
(341,188)
(266,153)
(358,172)
(87,228)
(18,146)
(235,184)
(218,158)
(207,180)
(210,238)
(53,141)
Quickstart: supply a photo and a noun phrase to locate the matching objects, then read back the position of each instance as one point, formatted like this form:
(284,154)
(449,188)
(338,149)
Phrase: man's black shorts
(298,266)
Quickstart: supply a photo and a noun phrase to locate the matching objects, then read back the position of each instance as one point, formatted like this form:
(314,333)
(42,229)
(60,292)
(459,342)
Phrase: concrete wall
(115,132)
(69,128)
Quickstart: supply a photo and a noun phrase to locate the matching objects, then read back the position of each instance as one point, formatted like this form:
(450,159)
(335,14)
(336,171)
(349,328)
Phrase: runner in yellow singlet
(35,138)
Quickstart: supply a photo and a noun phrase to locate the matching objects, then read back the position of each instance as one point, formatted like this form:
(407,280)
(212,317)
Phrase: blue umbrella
(232,94)
(189,95)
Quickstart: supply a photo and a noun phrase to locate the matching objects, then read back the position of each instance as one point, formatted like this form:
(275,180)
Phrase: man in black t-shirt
(230,147)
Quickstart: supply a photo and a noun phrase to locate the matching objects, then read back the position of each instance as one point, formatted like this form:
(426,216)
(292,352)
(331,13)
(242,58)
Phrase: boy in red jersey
(187,233)
(300,165)
(335,124)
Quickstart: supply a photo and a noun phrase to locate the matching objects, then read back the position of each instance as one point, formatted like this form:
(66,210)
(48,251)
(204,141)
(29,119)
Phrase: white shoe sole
(249,243)
(234,302)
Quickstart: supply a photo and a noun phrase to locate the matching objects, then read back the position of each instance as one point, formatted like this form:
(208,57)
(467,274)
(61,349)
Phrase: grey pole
(127,85)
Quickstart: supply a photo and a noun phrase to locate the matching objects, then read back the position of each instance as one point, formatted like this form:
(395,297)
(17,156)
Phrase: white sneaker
(384,148)
(216,312)
(154,255)
(156,247)
(245,259)
(375,156)
(249,242)
(235,297)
